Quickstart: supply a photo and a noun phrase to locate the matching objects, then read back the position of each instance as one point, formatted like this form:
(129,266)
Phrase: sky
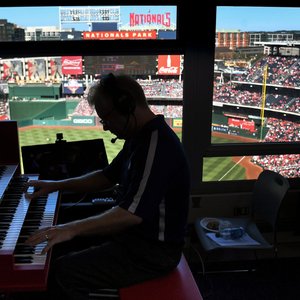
(49,16)
(242,18)
(258,18)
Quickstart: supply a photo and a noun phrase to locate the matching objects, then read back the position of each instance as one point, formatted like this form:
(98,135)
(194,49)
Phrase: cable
(76,203)
(200,257)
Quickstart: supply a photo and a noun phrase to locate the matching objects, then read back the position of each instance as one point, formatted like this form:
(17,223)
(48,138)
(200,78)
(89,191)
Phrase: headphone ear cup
(125,105)
(122,100)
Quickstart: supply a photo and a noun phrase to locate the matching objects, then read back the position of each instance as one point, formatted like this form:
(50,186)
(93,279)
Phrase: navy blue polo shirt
(154,181)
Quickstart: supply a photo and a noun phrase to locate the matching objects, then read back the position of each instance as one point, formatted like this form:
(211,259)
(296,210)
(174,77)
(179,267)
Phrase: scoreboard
(89,14)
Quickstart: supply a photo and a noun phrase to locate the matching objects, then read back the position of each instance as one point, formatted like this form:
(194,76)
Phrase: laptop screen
(64,159)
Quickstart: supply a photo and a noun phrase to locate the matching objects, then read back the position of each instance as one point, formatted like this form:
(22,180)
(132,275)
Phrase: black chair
(269,190)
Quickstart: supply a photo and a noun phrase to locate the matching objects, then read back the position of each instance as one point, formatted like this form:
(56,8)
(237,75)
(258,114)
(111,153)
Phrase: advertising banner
(12,69)
(36,68)
(120,35)
(177,123)
(140,19)
(71,65)
(72,86)
(168,65)
(55,70)
(83,121)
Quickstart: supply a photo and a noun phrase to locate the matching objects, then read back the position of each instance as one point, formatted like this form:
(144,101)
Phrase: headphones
(122,100)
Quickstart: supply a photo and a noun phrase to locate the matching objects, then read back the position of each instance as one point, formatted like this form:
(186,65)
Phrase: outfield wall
(38,91)
(47,113)
(25,111)
(56,112)
(74,121)
(221,123)
(35,109)
(71,105)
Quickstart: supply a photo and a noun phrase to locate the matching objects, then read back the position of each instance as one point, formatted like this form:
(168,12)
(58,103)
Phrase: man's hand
(53,235)
(41,188)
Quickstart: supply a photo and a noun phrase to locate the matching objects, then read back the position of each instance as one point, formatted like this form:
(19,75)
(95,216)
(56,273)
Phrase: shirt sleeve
(113,170)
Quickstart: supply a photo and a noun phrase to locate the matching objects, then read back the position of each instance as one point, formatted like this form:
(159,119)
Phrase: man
(147,226)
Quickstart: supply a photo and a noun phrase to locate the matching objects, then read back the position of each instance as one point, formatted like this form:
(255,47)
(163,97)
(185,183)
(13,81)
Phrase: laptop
(63,159)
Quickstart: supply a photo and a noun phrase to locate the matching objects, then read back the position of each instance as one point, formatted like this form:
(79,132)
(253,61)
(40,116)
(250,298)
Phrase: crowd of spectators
(231,93)
(282,70)
(169,111)
(158,88)
(285,164)
(162,88)
(4,110)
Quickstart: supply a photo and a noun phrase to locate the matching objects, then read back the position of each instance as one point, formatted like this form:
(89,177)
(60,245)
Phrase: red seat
(178,285)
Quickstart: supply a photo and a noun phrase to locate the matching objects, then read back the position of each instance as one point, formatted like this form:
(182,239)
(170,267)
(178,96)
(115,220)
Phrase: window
(49,90)
(256,87)
(94,22)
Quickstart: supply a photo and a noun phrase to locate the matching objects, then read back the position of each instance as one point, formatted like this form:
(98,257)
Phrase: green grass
(214,169)
(222,168)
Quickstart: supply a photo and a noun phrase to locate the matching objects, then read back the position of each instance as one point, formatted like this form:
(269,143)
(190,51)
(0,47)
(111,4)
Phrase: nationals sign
(120,35)
(168,65)
(149,19)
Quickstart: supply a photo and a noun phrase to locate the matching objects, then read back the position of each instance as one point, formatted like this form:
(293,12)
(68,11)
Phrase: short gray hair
(123,83)
(92,91)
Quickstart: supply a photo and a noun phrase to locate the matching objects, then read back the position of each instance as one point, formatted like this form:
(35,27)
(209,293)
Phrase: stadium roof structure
(279,43)
(269,84)
(228,30)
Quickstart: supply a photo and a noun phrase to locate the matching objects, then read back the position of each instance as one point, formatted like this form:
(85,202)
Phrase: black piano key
(32,223)
(23,259)
(9,210)
(10,201)
(13,196)
(5,219)
(28,231)
(34,214)
(22,239)
(24,249)
(5,226)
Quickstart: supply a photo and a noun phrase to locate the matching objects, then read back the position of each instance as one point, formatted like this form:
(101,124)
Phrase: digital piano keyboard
(22,267)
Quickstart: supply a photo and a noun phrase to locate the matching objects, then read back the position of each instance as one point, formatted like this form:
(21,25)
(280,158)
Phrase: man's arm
(91,182)
(110,222)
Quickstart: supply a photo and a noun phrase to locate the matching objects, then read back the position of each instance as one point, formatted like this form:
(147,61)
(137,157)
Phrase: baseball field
(214,169)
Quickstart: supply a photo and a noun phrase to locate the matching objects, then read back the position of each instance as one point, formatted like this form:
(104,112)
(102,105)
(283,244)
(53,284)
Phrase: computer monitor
(64,159)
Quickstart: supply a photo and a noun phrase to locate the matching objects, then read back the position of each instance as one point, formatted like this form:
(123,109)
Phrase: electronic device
(64,159)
